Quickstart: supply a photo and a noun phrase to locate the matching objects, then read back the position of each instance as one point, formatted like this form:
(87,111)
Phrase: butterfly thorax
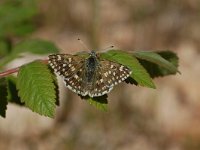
(91,66)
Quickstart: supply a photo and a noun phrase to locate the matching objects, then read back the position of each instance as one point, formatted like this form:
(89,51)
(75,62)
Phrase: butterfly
(91,75)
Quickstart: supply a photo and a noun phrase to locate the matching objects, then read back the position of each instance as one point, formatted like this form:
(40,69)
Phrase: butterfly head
(93,53)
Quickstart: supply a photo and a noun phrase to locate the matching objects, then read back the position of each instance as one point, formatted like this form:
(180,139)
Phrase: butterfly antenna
(107,48)
(83,44)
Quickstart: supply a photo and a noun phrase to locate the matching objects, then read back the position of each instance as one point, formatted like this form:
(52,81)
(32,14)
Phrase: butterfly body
(91,76)
(91,66)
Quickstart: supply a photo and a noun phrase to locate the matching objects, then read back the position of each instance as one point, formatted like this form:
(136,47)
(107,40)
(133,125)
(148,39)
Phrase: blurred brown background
(139,118)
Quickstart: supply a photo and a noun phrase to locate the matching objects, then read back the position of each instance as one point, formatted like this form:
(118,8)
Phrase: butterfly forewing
(114,73)
(71,68)
(64,64)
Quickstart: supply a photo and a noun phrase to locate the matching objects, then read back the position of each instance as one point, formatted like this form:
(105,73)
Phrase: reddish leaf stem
(8,72)
(15,70)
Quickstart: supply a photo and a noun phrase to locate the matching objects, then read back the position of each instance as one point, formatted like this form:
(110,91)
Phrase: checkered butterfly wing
(109,74)
(70,67)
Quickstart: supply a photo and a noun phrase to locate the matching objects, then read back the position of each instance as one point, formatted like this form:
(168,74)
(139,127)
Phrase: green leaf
(14,15)
(4,48)
(100,102)
(170,56)
(25,28)
(12,91)
(36,88)
(55,81)
(3,99)
(34,46)
(139,74)
(157,65)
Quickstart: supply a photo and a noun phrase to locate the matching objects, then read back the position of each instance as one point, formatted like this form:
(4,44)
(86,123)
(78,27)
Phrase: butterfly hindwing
(75,82)
(100,88)
(109,74)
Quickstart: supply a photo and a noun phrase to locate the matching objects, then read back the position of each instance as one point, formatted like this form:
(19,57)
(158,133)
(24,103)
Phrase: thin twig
(8,72)
(15,70)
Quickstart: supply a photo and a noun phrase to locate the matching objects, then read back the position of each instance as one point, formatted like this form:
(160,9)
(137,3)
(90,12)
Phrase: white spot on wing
(58,57)
(76,76)
(72,68)
(101,80)
(105,74)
